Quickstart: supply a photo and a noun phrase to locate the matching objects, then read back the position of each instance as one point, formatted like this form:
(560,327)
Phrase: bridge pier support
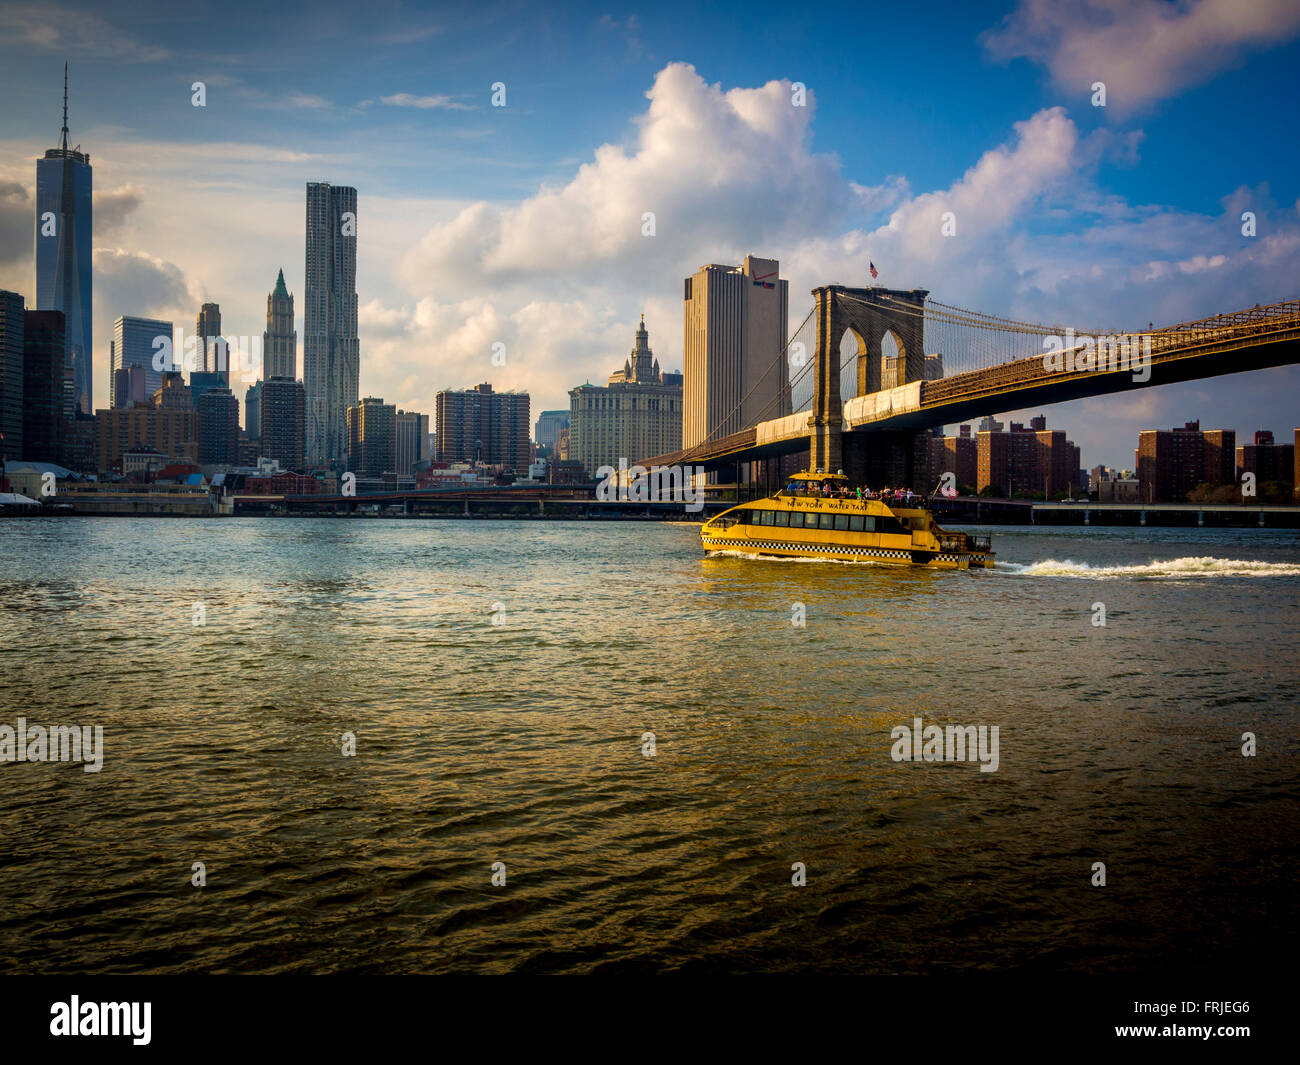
(895,458)
(1200,517)
(467,506)
(1142,518)
(827,417)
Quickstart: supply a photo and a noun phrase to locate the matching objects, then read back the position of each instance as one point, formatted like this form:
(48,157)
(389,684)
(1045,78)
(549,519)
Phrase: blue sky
(520,224)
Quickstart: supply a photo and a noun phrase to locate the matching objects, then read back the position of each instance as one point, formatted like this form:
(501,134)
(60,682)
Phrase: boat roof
(806,476)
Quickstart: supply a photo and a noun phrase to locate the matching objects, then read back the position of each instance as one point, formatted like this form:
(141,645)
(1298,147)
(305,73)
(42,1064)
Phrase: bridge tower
(869,313)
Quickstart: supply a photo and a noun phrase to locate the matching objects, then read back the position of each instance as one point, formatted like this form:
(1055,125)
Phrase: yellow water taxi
(817,516)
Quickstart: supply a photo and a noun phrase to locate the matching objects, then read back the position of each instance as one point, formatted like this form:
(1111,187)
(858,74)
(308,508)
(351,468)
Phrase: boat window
(828,521)
(841,522)
(855,522)
(742,517)
(796,519)
(761,517)
(871,523)
(782,517)
(892,525)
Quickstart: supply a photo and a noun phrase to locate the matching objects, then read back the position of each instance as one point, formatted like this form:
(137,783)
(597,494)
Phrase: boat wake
(1167,569)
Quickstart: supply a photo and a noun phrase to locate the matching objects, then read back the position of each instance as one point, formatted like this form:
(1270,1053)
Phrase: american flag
(874,275)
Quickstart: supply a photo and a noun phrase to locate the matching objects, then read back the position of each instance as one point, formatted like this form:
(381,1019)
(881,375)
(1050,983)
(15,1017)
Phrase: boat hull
(843,552)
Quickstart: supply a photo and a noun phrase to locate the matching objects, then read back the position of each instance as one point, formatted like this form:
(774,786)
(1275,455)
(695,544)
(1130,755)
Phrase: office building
(11,373)
(168,425)
(735,320)
(412,441)
(45,345)
(63,256)
(372,437)
(203,380)
(547,431)
(129,387)
(282,414)
(331,349)
(479,425)
(133,344)
(218,428)
(253,410)
(637,415)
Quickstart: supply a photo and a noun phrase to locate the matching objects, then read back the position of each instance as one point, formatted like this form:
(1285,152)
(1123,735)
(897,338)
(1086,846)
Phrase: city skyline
(1095,227)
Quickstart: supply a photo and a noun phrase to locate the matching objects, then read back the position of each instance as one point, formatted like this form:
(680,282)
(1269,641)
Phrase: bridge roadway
(1231,343)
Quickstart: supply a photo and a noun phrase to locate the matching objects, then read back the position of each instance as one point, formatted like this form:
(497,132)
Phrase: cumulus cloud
(131,283)
(1144,50)
(717,170)
(112,207)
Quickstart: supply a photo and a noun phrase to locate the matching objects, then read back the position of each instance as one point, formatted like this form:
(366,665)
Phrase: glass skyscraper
(63,249)
(331,350)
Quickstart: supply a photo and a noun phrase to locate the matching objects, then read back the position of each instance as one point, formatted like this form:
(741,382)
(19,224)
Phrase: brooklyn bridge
(855,406)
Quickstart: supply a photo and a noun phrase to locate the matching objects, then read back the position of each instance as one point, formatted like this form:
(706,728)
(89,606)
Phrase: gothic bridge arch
(868,314)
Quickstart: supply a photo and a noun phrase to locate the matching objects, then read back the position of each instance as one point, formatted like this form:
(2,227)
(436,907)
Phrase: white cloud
(424,103)
(1144,50)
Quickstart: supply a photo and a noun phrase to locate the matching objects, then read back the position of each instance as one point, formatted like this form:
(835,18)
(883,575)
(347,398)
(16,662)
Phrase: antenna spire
(64,144)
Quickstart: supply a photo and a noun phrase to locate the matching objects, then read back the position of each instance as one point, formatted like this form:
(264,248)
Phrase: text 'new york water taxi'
(817,515)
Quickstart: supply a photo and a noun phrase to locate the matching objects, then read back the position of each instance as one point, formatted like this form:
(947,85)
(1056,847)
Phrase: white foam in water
(1168,569)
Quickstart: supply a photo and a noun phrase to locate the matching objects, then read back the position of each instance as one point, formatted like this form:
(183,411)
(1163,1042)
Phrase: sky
(522,224)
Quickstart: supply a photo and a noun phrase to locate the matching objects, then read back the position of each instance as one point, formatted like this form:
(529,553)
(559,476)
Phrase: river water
(499,679)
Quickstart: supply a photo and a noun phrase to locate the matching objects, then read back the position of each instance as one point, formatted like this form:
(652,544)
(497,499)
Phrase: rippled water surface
(521,743)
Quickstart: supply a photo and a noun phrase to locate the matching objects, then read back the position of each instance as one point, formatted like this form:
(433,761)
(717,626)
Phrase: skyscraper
(218,427)
(547,430)
(280,342)
(735,323)
(11,374)
(208,330)
(44,345)
(412,446)
(372,437)
(331,350)
(281,407)
(63,250)
(133,345)
(253,411)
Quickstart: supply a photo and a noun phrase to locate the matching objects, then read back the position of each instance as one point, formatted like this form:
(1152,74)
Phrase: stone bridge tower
(868,313)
